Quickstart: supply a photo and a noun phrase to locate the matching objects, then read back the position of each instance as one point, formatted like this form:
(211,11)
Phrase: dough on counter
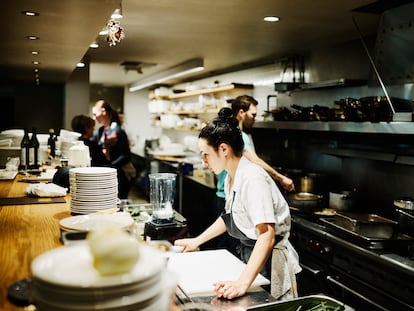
(114,251)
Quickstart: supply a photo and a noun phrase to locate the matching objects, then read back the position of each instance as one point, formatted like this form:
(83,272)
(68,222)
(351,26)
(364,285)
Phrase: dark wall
(28,105)
(377,181)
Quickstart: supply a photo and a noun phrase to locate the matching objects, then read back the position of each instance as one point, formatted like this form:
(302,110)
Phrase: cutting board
(198,271)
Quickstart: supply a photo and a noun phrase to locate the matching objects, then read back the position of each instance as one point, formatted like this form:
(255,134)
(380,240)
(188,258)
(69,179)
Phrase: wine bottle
(51,143)
(24,152)
(34,150)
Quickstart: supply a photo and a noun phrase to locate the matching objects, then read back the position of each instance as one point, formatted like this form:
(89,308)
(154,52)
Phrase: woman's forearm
(215,229)
(261,252)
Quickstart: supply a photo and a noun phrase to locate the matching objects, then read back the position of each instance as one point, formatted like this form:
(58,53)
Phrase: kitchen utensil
(307,202)
(406,221)
(342,200)
(369,225)
(405,203)
(313,183)
(162,193)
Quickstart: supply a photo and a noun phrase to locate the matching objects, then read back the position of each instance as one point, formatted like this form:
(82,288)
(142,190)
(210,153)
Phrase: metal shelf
(337,126)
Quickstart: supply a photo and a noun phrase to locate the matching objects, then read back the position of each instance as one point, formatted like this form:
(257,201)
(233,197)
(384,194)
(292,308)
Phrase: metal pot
(305,201)
(406,221)
(405,203)
(342,200)
(313,183)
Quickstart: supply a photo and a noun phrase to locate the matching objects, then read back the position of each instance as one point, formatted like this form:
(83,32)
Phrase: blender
(165,224)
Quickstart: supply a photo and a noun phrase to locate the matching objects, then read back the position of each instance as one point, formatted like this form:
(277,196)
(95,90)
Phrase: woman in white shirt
(255,213)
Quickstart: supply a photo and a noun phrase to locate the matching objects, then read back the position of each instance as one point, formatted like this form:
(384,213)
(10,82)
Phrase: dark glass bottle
(24,153)
(51,143)
(34,150)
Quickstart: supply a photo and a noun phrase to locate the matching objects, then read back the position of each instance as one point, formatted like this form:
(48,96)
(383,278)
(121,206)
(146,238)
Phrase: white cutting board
(198,271)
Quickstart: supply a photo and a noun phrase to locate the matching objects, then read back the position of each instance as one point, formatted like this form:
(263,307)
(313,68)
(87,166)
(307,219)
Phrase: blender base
(165,231)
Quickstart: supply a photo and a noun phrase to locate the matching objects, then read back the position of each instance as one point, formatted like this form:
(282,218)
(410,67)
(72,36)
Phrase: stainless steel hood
(394,46)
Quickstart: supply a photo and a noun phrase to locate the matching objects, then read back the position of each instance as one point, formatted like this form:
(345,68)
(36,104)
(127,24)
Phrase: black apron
(246,245)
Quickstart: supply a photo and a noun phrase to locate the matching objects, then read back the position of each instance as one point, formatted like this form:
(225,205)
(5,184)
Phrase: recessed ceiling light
(271,19)
(103,32)
(36,70)
(30,13)
(32,38)
(34,52)
(80,65)
(35,62)
(94,45)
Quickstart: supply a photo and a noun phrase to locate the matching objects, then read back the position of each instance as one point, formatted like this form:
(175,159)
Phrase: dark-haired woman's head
(84,125)
(223,129)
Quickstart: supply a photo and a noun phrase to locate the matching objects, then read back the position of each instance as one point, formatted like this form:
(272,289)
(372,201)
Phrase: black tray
(399,242)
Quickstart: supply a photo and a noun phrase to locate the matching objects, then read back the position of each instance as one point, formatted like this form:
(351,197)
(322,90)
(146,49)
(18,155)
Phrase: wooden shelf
(224,88)
(186,112)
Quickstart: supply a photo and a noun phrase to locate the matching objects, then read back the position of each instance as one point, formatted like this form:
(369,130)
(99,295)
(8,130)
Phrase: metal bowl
(405,203)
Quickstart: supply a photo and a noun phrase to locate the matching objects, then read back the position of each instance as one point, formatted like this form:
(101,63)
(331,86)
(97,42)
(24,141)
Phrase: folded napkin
(46,190)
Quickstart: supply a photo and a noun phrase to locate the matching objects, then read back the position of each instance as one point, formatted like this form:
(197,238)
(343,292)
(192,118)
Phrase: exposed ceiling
(162,33)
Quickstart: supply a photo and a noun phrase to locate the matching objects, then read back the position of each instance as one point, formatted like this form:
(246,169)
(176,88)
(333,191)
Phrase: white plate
(90,171)
(90,222)
(73,266)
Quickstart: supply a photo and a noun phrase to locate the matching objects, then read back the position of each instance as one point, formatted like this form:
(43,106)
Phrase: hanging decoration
(115,32)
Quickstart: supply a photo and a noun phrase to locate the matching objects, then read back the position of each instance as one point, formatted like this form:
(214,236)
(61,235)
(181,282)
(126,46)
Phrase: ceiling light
(32,38)
(180,70)
(30,13)
(35,62)
(94,45)
(271,19)
(34,52)
(117,14)
(103,32)
(80,65)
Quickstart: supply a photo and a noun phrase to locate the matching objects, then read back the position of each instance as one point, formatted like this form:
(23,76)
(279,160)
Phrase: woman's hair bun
(225,113)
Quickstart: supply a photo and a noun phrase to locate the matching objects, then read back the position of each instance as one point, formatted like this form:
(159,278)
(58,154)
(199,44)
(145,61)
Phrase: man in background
(244,109)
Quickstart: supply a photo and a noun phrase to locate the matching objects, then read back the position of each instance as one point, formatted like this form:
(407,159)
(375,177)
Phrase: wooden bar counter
(26,232)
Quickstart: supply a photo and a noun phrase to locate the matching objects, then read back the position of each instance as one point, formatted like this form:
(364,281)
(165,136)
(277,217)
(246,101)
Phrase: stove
(367,274)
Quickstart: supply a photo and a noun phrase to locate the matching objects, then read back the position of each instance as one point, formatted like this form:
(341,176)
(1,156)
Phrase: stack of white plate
(122,220)
(64,147)
(93,189)
(64,279)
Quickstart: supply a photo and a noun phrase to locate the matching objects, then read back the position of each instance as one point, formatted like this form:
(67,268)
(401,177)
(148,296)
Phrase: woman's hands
(230,289)
(188,244)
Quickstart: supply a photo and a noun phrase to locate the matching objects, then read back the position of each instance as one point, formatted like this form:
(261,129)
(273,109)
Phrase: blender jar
(162,193)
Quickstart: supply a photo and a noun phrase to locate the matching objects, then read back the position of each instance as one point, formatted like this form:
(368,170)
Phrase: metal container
(406,221)
(342,200)
(367,225)
(405,203)
(307,202)
(313,183)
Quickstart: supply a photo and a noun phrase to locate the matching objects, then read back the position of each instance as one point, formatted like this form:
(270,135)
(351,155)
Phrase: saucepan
(305,201)
(343,200)
(404,207)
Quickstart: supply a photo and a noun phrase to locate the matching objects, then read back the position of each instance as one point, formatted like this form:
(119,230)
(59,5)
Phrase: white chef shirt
(255,199)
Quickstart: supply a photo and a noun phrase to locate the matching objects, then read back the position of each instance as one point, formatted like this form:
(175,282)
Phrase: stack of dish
(122,220)
(65,279)
(66,140)
(93,189)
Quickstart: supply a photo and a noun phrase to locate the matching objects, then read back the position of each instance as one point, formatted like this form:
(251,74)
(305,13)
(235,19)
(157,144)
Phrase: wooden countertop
(25,232)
